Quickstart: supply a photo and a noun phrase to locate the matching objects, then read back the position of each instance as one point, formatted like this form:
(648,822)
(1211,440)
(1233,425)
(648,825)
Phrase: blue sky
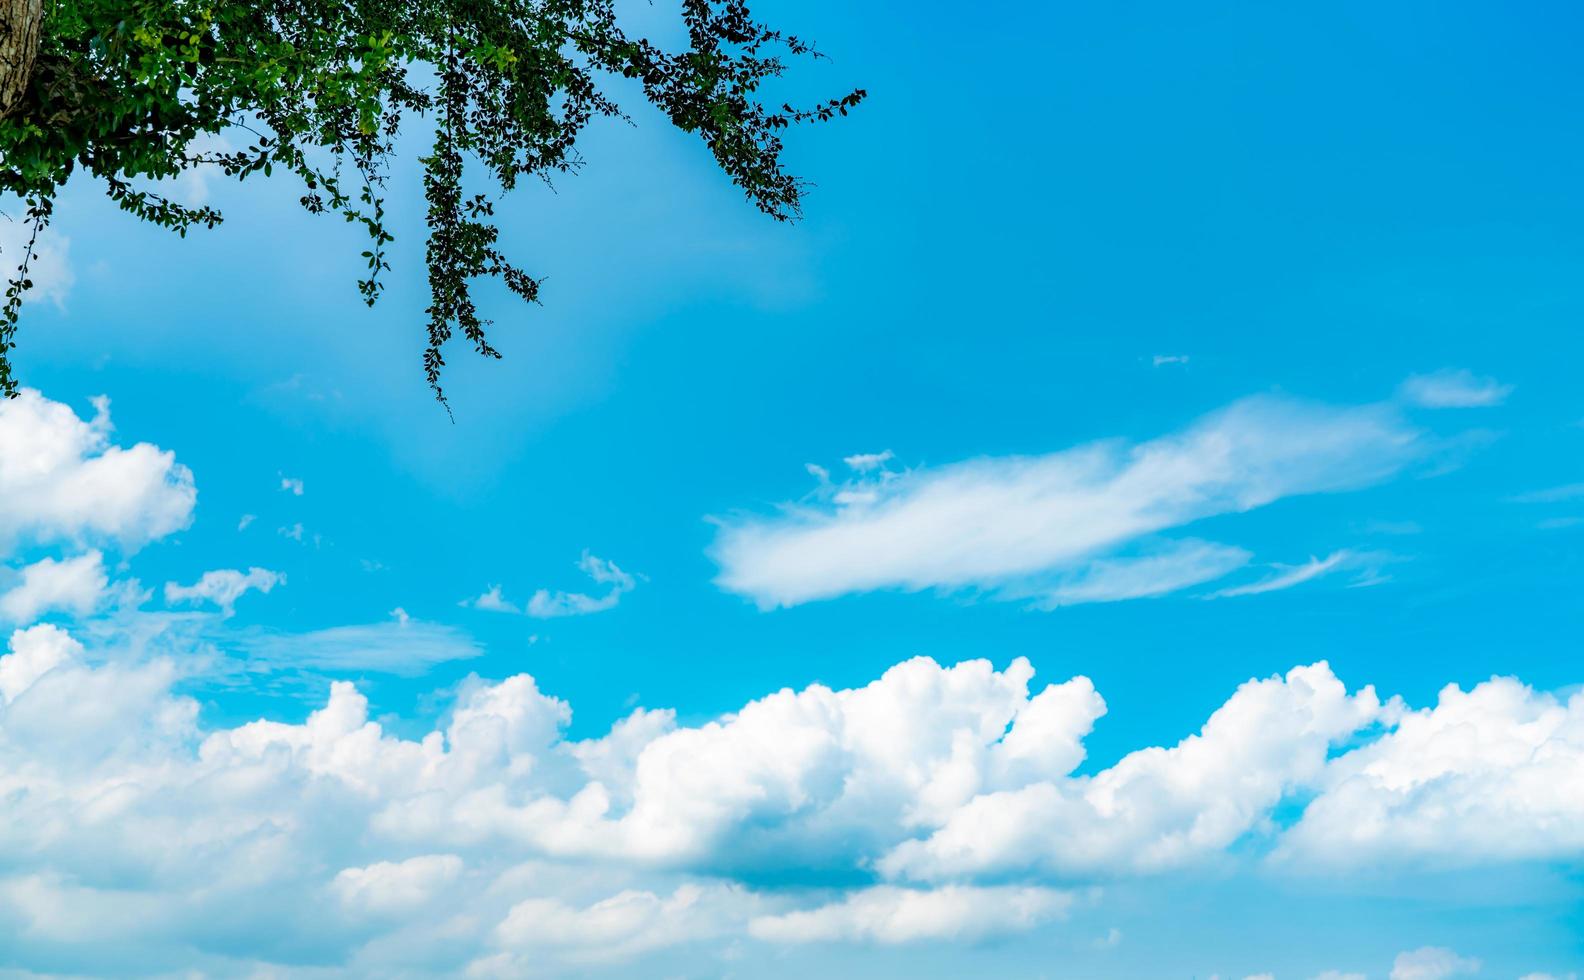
(1268,315)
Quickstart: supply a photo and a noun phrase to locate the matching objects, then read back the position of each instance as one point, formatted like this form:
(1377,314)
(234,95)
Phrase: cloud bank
(934,803)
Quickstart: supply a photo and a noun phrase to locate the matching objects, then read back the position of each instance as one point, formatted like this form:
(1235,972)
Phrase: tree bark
(20,22)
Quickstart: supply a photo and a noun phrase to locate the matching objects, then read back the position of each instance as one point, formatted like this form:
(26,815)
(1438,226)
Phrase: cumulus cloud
(1432,963)
(889,915)
(292,486)
(34,652)
(337,827)
(73,585)
(393,888)
(802,777)
(545,604)
(1493,773)
(494,844)
(1453,389)
(61,478)
(1007,524)
(224,586)
(1157,808)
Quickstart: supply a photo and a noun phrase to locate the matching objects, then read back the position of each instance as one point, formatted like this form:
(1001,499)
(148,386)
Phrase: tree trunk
(20,21)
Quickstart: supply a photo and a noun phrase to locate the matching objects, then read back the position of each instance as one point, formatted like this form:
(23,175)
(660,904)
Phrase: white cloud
(1006,523)
(34,653)
(617,928)
(545,604)
(396,887)
(292,486)
(888,914)
(491,601)
(224,587)
(1339,975)
(1453,389)
(50,269)
(1488,774)
(1432,963)
(1289,577)
(1165,360)
(135,833)
(242,525)
(314,826)
(1179,565)
(866,462)
(404,647)
(73,584)
(1157,808)
(60,478)
(791,775)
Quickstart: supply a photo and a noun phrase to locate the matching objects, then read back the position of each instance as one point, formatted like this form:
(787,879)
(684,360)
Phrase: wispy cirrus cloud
(1454,389)
(1289,576)
(1180,565)
(1551,495)
(404,646)
(1081,524)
